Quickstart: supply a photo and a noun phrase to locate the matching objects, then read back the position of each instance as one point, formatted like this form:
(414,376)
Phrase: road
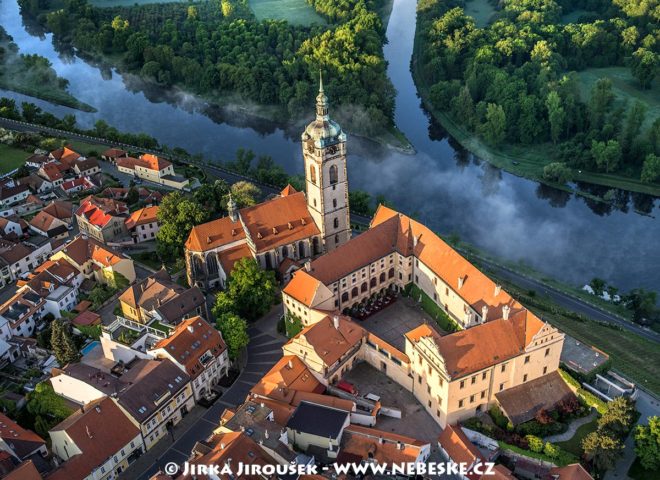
(564,300)
(263,351)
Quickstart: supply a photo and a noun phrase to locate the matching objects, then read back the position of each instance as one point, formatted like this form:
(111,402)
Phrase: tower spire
(321,102)
(320,81)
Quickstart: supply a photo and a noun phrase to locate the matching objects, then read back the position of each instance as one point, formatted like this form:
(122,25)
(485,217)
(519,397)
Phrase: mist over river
(562,235)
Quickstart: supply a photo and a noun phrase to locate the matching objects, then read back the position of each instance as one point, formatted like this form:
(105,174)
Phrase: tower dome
(322,131)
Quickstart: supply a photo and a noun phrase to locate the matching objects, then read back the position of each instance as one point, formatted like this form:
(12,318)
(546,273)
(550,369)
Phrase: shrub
(535,443)
(551,450)
(500,419)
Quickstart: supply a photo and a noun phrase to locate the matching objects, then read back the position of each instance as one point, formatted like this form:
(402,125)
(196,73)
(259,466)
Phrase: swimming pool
(88,348)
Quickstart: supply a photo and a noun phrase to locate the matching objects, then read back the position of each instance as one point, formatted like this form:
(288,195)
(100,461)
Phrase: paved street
(262,353)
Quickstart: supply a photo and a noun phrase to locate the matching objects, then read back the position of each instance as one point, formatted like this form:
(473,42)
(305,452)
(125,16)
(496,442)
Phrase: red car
(347,387)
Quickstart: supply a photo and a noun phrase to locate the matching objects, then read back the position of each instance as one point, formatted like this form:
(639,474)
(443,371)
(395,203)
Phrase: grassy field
(481,10)
(297,12)
(574,444)
(11,158)
(625,87)
(528,161)
(632,355)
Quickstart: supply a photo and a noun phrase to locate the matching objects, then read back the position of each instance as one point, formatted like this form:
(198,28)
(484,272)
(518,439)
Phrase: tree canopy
(176,217)
(234,332)
(647,444)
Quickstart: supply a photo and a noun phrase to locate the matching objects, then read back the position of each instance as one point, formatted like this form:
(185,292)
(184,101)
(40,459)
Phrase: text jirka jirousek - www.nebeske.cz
(411,468)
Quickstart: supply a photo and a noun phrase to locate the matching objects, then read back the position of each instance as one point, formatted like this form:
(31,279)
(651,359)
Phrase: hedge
(586,395)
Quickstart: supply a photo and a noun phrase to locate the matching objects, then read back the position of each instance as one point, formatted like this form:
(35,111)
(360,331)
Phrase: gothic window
(312,174)
(364,287)
(285,252)
(269,261)
(382,277)
(212,265)
(333,174)
(354,292)
(335,222)
(301,249)
(390,274)
(344,297)
(316,246)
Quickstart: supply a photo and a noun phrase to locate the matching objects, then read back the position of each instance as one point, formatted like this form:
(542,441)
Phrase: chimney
(399,445)
(380,439)
(222,446)
(505,312)
(290,364)
(461,281)
(484,313)
(89,434)
(498,288)
(416,240)
(308,266)
(335,321)
(191,329)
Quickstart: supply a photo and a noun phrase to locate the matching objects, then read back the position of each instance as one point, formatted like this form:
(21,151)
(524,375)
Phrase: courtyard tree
(234,332)
(618,418)
(211,196)
(62,343)
(250,293)
(602,449)
(245,194)
(176,217)
(46,408)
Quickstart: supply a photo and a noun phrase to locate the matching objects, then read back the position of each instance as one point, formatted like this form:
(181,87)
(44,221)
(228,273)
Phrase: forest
(516,81)
(218,49)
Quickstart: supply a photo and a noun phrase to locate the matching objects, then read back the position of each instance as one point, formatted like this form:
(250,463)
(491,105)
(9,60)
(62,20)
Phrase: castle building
(294,226)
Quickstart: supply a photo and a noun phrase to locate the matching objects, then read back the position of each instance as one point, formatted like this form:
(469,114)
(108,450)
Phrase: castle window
(336,239)
(354,292)
(312,174)
(333,174)
(334,203)
(545,370)
(547,352)
(525,378)
(335,223)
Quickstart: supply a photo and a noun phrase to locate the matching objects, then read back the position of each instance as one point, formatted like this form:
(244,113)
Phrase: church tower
(324,154)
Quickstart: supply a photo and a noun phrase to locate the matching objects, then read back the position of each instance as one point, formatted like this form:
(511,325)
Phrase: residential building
(36,183)
(97,261)
(318,426)
(158,297)
(61,210)
(156,394)
(102,218)
(76,185)
(18,441)
(148,197)
(86,167)
(293,226)
(457,448)
(20,258)
(24,471)
(152,168)
(142,224)
(43,223)
(37,159)
(112,154)
(368,445)
(12,195)
(97,442)
(198,349)
(11,227)
(18,315)
(52,174)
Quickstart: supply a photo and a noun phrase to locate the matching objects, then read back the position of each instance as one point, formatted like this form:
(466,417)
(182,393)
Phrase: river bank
(523,161)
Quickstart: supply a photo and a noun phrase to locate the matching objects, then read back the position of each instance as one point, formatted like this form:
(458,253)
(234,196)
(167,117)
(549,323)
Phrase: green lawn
(481,10)
(11,158)
(573,17)
(297,12)
(625,87)
(574,444)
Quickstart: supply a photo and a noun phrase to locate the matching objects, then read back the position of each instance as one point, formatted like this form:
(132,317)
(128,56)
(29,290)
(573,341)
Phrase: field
(297,12)
(625,87)
(481,10)
(11,158)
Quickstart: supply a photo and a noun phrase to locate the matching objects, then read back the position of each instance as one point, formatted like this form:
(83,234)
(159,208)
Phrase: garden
(371,305)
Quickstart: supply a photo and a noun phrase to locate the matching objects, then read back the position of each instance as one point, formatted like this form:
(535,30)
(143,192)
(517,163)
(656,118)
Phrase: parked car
(347,387)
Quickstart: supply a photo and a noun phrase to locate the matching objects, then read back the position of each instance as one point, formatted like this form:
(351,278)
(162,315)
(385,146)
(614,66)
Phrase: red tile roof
(459,448)
(24,441)
(302,287)
(25,471)
(214,234)
(142,216)
(229,257)
(574,471)
(190,340)
(331,343)
(286,377)
(279,221)
(99,432)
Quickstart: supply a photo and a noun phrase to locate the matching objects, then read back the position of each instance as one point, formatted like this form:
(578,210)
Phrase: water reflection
(556,197)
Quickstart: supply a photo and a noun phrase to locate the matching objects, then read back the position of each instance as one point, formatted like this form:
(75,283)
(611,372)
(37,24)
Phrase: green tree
(557,172)
(46,408)
(360,202)
(245,194)
(133,196)
(647,444)
(644,66)
(535,443)
(598,285)
(641,302)
(176,217)
(606,155)
(618,418)
(494,128)
(600,102)
(602,449)
(556,115)
(119,24)
(62,343)
(211,196)
(234,333)
(634,121)
(250,293)
(463,106)
(651,169)
(551,450)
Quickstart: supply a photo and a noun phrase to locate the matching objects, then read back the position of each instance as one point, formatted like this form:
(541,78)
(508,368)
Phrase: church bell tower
(324,154)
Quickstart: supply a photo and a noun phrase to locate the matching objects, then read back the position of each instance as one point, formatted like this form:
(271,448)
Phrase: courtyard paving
(414,422)
(396,319)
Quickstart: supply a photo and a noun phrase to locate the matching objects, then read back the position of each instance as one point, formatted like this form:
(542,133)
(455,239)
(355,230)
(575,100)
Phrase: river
(559,234)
